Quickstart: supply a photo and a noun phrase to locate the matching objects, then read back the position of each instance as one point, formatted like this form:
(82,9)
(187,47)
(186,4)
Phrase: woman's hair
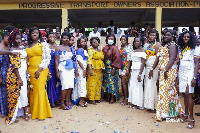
(65,34)
(157,34)
(5,34)
(94,38)
(12,36)
(79,40)
(192,41)
(50,33)
(109,35)
(141,39)
(29,35)
(124,37)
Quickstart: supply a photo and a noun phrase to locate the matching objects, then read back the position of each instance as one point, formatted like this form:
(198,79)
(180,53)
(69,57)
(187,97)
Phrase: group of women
(76,74)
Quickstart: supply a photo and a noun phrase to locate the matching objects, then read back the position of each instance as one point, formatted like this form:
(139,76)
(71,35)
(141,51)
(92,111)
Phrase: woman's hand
(91,73)
(20,82)
(1,80)
(193,82)
(113,72)
(84,73)
(139,78)
(165,75)
(15,53)
(150,74)
(127,72)
(58,75)
(28,74)
(37,74)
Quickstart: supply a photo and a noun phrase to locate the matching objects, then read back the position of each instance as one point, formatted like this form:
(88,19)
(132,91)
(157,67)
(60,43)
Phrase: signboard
(125,4)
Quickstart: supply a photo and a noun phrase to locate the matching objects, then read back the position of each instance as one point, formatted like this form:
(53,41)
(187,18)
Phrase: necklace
(184,50)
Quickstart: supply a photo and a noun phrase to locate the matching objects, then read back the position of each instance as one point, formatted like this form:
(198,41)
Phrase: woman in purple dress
(53,85)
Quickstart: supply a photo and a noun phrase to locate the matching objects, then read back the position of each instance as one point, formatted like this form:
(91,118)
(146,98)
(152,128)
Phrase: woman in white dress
(137,74)
(188,70)
(81,61)
(150,87)
(65,70)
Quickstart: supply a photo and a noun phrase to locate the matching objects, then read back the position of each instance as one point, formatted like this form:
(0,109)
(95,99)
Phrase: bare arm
(57,56)
(172,56)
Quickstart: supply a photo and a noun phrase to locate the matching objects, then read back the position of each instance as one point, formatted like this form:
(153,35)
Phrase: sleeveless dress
(167,89)
(39,56)
(53,85)
(150,88)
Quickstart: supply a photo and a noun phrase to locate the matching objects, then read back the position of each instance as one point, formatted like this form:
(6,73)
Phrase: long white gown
(23,98)
(135,87)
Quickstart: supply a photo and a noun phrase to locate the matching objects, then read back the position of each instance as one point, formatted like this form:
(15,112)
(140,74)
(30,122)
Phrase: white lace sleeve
(197,51)
(46,56)
(129,50)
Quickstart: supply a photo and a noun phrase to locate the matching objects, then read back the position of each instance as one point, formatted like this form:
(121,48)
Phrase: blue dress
(53,85)
(4,65)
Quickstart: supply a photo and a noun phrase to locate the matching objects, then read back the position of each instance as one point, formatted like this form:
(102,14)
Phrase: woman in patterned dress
(14,81)
(168,95)
(125,51)
(150,87)
(112,61)
(95,66)
(188,70)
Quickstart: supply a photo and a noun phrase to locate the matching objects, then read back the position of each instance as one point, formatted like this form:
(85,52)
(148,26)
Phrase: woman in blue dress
(53,85)
(4,65)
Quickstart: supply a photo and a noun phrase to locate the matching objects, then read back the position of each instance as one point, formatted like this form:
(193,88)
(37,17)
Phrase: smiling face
(186,38)
(35,35)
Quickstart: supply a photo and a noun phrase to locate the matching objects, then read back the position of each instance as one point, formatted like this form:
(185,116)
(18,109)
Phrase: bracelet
(165,70)
(151,69)
(139,75)
(194,78)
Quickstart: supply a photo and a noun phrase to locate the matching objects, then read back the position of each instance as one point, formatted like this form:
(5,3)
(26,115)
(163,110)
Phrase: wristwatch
(194,78)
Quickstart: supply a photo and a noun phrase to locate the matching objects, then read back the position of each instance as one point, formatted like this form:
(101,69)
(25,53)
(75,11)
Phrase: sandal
(190,126)
(82,105)
(26,118)
(66,107)
(184,119)
(122,102)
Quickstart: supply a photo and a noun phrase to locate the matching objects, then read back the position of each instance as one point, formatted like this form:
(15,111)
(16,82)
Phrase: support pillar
(64,18)
(158,20)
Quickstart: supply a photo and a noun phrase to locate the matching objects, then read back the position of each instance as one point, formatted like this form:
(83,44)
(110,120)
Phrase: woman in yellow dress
(95,66)
(39,59)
